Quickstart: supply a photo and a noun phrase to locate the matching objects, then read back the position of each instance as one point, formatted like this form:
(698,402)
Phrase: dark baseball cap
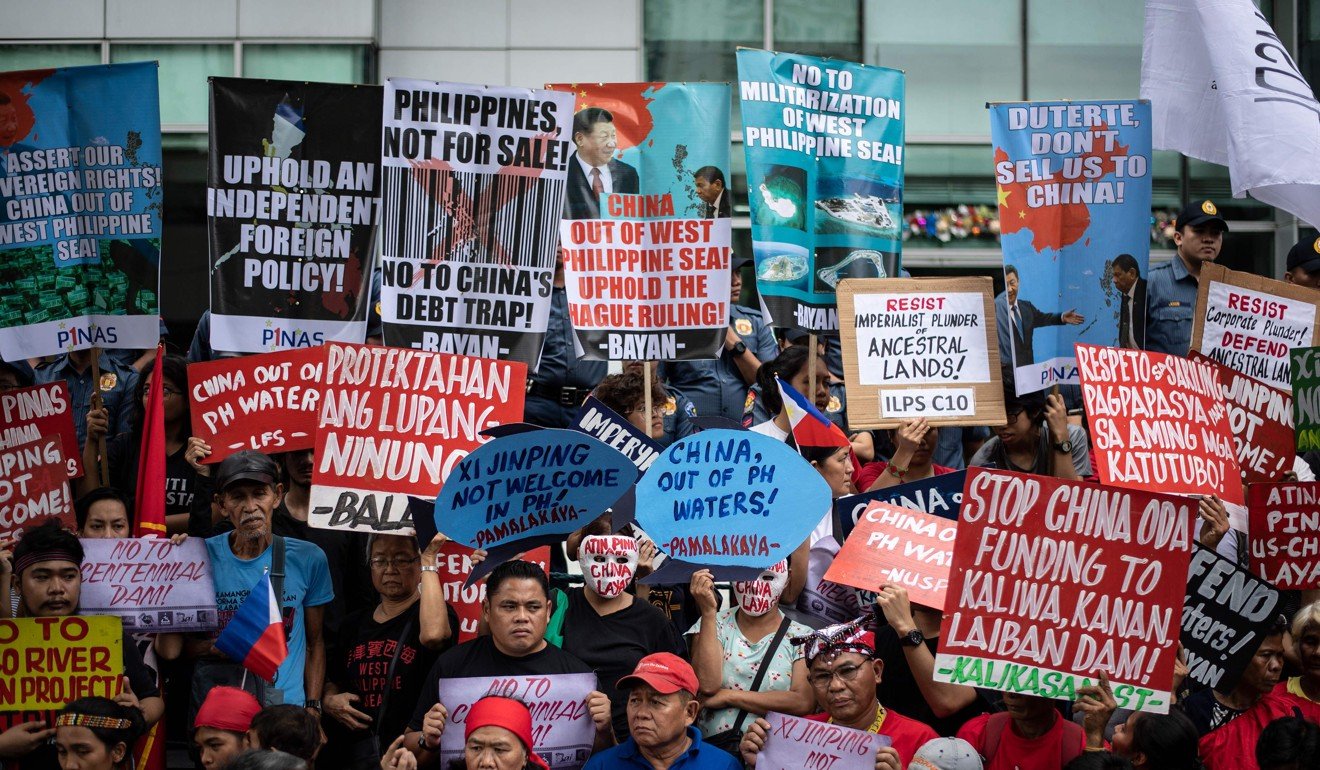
(247,465)
(1198,213)
(1306,255)
(737,262)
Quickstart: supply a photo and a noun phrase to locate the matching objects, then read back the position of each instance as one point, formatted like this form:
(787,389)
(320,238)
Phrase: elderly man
(844,672)
(662,705)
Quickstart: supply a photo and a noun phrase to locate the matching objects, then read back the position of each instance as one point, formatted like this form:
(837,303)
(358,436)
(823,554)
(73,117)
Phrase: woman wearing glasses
(384,653)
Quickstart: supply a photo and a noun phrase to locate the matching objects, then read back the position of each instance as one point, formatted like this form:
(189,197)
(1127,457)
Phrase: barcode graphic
(433,214)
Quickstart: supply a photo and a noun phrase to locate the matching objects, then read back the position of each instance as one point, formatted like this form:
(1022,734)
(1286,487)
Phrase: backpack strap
(994,730)
(277,569)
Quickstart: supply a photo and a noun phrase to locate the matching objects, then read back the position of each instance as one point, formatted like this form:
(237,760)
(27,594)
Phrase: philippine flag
(255,635)
(810,427)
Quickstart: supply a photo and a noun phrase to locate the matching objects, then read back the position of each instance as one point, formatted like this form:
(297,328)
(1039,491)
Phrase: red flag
(150,516)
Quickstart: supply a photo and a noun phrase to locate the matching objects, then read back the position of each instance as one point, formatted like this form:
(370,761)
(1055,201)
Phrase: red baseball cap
(665,672)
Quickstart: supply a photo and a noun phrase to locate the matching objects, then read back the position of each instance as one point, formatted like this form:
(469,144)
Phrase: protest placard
(1305,372)
(898,546)
(1074,187)
(27,414)
(824,146)
(940,495)
(63,659)
(794,743)
(292,197)
(596,419)
(1285,534)
(1053,581)
(1159,423)
(562,730)
(394,422)
(267,402)
(1249,323)
(1225,615)
(1260,419)
(725,498)
(472,191)
(151,584)
(920,347)
(454,565)
(81,196)
(33,485)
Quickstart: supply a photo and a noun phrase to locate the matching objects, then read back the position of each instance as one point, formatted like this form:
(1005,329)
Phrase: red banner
(901,547)
(266,402)
(34,485)
(28,414)
(1260,418)
(1285,534)
(454,566)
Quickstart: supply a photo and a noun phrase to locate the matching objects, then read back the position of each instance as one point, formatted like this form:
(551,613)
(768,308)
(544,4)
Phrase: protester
(626,395)
(1158,741)
(288,728)
(946,754)
(1036,439)
(220,729)
(1209,709)
(14,375)
(102,513)
(791,366)
(117,385)
(498,733)
(1306,643)
(914,447)
(1029,733)
(1289,743)
(265,759)
(96,734)
(1171,289)
(755,412)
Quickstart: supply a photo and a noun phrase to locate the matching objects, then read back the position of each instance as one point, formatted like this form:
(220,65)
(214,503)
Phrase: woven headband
(55,554)
(92,721)
(853,636)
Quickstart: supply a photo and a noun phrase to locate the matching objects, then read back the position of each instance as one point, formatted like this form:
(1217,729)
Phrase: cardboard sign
(267,402)
(33,486)
(27,414)
(1159,423)
(795,743)
(1285,534)
(920,347)
(1225,616)
(562,730)
(395,422)
(63,659)
(1306,397)
(1260,418)
(730,498)
(151,584)
(1249,323)
(596,419)
(939,495)
(454,566)
(1055,580)
(898,546)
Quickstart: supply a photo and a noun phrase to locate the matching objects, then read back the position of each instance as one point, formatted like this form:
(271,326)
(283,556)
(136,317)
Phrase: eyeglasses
(844,673)
(398,562)
(656,411)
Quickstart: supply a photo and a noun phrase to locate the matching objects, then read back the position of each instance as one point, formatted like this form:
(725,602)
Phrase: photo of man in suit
(1126,274)
(593,169)
(712,192)
(1018,320)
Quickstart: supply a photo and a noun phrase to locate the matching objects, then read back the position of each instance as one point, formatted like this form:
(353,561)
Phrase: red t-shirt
(905,735)
(871,471)
(1018,753)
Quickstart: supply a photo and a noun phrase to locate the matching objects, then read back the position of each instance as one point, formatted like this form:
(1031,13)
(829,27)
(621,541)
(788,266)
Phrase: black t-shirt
(180,477)
(479,657)
(898,687)
(613,644)
(1206,712)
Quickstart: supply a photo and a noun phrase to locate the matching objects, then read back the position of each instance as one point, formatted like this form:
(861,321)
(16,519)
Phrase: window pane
(321,63)
(33,57)
(695,39)
(183,73)
(1082,44)
(830,28)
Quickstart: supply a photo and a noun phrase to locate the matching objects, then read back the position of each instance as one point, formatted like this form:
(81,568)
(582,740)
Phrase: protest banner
(152,585)
(526,489)
(794,743)
(1249,323)
(292,196)
(824,146)
(28,414)
(1260,419)
(562,731)
(80,209)
(1074,188)
(1225,615)
(940,495)
(394,422)
(646,260)
(1305,373)
(472,191)
(454,565)
(726,498)
(267,402)
(920,347)
(898,546)
(596,419)
(33,486)
(1055,580)
(1159,423)
(63,659)
(1285,534)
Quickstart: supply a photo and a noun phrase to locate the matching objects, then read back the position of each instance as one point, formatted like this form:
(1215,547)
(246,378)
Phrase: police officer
(562,381)
(754,411)
(116,385)
(1171,288)
(719,387)
(1304,264)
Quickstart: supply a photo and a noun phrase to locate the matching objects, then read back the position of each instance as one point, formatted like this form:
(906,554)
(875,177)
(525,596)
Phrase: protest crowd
(483,456)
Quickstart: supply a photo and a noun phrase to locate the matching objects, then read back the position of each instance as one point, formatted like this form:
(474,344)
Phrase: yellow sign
(47,662)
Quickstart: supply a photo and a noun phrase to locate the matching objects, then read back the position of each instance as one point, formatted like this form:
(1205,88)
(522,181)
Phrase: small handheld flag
(810,428)
(255,635)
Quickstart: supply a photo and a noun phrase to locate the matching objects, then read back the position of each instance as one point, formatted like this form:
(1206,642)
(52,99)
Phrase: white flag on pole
(1224,89)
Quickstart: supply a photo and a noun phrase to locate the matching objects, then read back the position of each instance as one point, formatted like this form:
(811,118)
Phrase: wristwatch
(312,703)
(431,568)
(1064,446)
(913,638)
(739,348)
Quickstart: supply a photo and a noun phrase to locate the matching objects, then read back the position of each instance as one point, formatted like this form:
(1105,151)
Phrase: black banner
(1227,613)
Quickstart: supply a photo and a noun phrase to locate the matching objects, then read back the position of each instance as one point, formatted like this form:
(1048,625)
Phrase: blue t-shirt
(699,756)
(306,584)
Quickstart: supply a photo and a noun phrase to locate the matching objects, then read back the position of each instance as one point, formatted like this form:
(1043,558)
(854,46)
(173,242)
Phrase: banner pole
(646,396)
(811,368)
(1053,454)
(99,403)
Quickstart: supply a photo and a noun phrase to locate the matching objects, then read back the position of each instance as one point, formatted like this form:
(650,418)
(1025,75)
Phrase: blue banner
(938,495)
(824,143)
(80,209)
(1074,214)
